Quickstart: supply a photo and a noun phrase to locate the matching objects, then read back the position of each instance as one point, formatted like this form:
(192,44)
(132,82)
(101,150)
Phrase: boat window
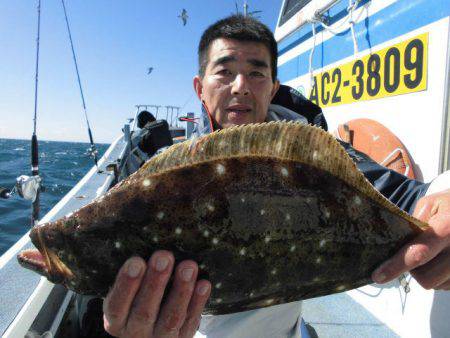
(291,7)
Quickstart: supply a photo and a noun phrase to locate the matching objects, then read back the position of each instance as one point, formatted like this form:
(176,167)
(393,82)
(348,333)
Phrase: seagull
(183,16)
(150,69)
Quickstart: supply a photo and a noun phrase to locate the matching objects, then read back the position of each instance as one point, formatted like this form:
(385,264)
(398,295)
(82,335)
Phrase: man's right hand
(134,308)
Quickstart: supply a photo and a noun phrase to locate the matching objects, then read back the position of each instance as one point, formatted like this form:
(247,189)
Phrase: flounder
(273,213)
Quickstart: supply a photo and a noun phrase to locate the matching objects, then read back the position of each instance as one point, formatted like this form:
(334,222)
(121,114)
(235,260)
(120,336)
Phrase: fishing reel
(92,151)
(28,186)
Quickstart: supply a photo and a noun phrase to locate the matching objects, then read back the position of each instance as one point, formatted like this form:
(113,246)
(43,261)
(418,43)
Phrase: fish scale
(267,223)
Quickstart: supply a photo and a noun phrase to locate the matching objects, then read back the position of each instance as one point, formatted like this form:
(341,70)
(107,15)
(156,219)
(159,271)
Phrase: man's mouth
(239,109)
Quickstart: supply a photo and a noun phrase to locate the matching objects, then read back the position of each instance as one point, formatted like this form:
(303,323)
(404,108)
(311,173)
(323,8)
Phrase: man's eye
(256,74)
(224,72)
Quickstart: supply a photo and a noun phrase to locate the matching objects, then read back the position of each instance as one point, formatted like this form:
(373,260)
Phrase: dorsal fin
(284,140)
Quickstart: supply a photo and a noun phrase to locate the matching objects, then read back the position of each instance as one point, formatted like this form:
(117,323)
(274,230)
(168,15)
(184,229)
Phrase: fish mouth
(32,259)
(43,260)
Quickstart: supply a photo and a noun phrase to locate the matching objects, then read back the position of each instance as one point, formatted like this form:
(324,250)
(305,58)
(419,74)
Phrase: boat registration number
(395,70)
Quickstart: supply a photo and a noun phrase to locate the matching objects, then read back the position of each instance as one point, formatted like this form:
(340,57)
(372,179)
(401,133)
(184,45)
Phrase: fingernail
(186,274)
(202,289)
(133,268)
(161,263)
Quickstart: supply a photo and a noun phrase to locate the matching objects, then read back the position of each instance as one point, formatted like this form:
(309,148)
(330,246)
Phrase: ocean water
(61,166)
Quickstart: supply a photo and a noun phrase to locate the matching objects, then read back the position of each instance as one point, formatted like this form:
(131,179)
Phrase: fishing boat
(385,62)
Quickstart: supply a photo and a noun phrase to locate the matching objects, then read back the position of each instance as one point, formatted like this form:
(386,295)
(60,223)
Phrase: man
(236,84)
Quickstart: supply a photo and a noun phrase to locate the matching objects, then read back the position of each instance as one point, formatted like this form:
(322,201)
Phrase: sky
(116,41)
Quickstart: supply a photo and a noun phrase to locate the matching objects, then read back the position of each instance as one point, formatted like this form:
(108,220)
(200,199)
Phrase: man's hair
(240,28)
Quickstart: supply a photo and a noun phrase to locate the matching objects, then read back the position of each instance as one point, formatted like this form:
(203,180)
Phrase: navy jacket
(399,189)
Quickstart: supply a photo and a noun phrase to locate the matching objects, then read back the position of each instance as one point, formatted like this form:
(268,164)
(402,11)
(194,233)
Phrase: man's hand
(133,306)
(427,257)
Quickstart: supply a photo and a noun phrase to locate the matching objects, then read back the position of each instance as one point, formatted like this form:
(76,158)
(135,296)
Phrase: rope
(349,23)
(351,7)
(311,54)
(91,140)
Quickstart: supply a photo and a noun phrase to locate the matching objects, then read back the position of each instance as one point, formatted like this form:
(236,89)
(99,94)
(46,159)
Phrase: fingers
(425,208)
(173,312)
(435,273)
(416,253)
(196,306)
(133,306)
(145,308)
(434,209)
(118,301)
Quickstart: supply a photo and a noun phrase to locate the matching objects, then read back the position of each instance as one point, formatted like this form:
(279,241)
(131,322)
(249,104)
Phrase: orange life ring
(378,142)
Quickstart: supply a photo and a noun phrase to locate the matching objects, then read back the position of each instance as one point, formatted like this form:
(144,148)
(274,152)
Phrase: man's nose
(240,85)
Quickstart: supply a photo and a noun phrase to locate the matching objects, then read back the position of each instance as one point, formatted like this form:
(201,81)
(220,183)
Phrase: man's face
(237,86)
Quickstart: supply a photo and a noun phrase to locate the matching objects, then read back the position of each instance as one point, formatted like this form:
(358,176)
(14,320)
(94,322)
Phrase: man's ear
(198,87)
(275,88)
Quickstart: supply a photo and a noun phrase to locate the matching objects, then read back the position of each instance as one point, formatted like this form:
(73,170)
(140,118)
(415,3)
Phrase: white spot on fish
(315,155)
(252,294)
(155,239)
(206,233)
(267,239)
(219,300)
(146,229)
(357,200)
(322,243)
(178,230)
(215,241)
(242,252)
(319,260)
(375,137)
(284,172)
(326,213)
(293,247)
(273,272)
(94,271)
(288,217)
(220,169)
(242,199)
(73,283)
(341,288)
(118,245)
(210,207)
(160,215)
(202,266)
(218,285)
(146,182)
(262,212)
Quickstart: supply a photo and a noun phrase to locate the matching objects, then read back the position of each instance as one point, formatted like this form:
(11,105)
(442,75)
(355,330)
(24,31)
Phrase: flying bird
(183,16)
(150,69)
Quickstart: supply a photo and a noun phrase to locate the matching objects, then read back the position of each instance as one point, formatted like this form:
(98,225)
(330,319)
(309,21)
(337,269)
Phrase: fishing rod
(28,187)
(92,150)
(34,141)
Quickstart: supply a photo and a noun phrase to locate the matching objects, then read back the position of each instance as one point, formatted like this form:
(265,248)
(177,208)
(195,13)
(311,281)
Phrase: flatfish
(273,213)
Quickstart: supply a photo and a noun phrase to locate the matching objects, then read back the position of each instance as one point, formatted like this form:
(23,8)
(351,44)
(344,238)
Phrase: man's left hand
(427,257)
